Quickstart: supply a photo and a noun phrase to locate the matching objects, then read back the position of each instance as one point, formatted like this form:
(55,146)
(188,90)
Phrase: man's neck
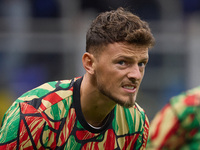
(95,106)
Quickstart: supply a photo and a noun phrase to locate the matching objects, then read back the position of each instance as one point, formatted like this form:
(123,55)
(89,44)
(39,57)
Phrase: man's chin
(126,104)
(129,105)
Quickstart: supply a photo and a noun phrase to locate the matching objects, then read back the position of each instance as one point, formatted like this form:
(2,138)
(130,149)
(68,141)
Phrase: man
(96,111)
(177,125)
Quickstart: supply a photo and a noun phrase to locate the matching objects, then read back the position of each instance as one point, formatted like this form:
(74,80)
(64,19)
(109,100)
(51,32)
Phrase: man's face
(119,71)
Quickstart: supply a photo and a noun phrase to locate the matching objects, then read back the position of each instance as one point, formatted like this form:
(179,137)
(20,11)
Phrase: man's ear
(88,61)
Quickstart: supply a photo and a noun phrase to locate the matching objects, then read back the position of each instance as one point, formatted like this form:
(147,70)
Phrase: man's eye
(142,64)
(121,63)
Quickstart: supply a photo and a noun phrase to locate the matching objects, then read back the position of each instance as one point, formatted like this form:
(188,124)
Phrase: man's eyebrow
(124,57)
(145,59)
(131,58)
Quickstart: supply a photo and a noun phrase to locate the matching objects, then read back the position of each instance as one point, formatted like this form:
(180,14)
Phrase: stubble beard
(129,103)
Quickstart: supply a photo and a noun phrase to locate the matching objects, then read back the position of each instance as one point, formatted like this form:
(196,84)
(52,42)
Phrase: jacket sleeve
(23,127)
(10,127)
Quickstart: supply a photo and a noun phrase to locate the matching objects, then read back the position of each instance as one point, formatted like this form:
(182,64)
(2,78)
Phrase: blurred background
(43,40)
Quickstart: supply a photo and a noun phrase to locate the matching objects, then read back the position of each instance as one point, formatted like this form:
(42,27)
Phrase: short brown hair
(118,26)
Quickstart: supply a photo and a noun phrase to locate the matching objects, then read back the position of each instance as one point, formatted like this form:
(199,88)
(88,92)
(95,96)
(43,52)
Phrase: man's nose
(135,72)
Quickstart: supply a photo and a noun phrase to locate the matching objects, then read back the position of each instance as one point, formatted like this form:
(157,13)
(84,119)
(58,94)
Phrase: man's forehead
(128,49)
(127,46)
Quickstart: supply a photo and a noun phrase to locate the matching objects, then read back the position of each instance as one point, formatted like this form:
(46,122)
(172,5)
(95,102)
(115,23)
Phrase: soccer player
(177,125)
(97,110)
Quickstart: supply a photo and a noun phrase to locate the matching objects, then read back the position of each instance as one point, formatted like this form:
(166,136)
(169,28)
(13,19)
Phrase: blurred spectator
(177,125)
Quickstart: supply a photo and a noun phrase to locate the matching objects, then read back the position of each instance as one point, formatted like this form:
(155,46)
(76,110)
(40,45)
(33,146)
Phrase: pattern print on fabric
(177,125)
(46,118)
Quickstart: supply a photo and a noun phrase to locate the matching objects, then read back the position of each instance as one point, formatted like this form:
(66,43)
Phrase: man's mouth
(129,87)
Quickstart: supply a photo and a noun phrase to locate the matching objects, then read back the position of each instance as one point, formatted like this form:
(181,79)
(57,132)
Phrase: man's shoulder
(48,94)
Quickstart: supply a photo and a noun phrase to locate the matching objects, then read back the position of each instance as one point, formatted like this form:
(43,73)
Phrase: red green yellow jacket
(50,117)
